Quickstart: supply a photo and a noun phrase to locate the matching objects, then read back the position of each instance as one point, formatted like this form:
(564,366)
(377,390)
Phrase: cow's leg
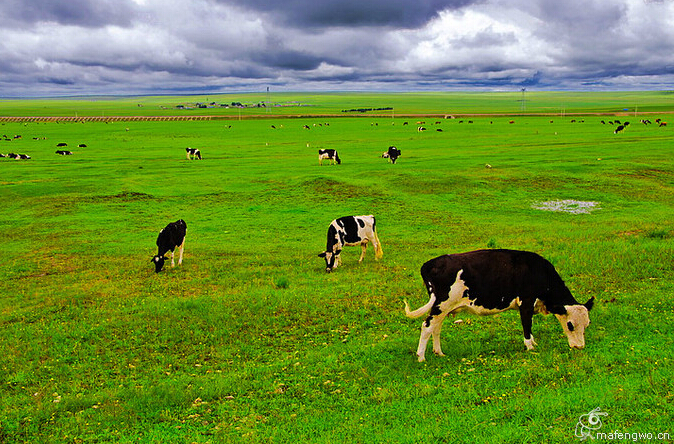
(526,316)
(182,246)
(437,328)
(173,264)
(363,248)
(426,331)
(430,328)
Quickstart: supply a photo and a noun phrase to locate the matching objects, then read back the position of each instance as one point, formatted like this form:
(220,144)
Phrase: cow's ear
(589,304)
(322,254)
(556,309)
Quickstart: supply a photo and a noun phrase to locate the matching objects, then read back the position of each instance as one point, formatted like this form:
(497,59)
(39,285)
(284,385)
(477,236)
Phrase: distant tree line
(364,110)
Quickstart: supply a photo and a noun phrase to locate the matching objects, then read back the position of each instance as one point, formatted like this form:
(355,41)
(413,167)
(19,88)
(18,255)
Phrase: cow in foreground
(486,282)
(392,154)
(350,230)
(330,155)
(193,153)
(170,237)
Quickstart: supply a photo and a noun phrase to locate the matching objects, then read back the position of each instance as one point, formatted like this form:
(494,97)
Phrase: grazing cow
(392,154)
(64,152)
(350,230)
(82,145)
(486,282)
(60,144)
(329,154)
(170,237)
(421,128)
(619,129)
(24,156)
(193,153)
(662,124)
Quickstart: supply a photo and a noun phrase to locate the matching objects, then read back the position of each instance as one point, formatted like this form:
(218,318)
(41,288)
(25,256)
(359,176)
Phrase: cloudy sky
(56,47)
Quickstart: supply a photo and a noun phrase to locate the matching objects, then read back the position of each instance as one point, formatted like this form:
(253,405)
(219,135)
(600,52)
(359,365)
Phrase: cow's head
(574,320)
(158,263)
(330,259)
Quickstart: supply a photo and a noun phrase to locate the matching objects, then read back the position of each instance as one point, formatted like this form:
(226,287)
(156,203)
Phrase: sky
(126,47)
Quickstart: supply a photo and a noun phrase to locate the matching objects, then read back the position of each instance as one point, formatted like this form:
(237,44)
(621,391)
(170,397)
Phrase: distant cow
(193,153)
(170,237)
(330,155)
(421,128)
(60,144)
(619,129)
(64,152)
(351,231)
(391,154)
(486,282)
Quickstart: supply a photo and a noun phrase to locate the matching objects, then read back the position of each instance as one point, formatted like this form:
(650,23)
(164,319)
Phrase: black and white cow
(193,153)
(64,152)
(330,155)
(487,282)
(392,154)
(170,237)
(351,231)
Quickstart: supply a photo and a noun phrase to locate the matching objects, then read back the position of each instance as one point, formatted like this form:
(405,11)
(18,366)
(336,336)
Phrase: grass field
(249,340)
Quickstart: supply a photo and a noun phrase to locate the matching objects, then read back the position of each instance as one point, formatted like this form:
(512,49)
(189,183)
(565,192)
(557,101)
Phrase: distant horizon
(355,91)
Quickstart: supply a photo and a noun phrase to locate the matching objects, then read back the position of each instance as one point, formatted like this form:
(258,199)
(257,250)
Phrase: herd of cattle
(481,282)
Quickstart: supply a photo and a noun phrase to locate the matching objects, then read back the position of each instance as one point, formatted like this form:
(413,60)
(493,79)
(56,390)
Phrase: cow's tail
(421,310)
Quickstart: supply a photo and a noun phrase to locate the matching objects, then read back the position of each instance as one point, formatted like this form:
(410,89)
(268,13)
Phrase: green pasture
(291,104)
(249,340)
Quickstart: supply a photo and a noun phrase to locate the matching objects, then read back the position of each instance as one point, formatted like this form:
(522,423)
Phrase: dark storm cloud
(85,13)
(316,14)
(141,46)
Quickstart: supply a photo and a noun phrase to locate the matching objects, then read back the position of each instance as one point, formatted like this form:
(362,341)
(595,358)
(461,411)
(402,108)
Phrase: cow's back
(496,277)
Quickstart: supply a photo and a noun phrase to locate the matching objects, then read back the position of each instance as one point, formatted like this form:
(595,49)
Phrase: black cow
(329,154)
(64,152)
(60,144)
(486,282)
(619,129)
(392,154)
(350,230)
(193,153)
(170,237)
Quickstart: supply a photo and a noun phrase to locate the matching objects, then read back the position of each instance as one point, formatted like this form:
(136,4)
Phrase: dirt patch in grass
(567,206)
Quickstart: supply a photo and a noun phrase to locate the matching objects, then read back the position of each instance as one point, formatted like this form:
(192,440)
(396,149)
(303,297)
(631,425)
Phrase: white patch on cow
(579,318)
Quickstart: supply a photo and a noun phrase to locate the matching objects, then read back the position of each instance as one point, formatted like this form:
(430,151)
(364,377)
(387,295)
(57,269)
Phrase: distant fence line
(307,116)
(104,119)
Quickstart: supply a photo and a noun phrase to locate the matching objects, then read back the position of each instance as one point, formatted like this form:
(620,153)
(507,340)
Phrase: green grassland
(249,340)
